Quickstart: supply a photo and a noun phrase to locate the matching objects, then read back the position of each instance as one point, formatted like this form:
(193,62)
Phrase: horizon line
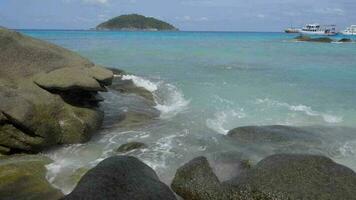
(57,29)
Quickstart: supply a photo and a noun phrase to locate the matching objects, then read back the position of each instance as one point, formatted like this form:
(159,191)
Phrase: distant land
(135,22)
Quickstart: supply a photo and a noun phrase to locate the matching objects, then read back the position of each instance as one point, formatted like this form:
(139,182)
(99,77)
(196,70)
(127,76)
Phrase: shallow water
(206,83)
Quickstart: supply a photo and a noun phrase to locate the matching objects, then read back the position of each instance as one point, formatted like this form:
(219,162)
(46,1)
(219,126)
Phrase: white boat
(292,30)
(316,29)
(350,30)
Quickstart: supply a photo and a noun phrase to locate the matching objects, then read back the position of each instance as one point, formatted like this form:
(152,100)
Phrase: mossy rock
(131,146)
(304,38)
(48,95)
(24,177)
(294,177)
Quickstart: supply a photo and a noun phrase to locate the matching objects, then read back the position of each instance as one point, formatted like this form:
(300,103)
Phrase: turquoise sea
(207,83)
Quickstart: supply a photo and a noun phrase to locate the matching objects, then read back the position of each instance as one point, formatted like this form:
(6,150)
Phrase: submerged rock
(121,177)
(304,38)
(284,176)
(275,134)
(48,94)
(23,177)
(345,40)
(130,146)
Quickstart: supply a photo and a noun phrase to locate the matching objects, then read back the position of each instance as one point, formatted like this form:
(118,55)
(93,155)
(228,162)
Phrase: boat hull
(317,33)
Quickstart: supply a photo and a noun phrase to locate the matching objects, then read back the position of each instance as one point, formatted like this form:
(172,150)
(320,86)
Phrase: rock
(304,38)
(134,119)
(228,164)
(23,177)
(130,146)
(197,181)
(121,177)
(48,95)
(345,40)
(273,134)
(300,177)
(128,87)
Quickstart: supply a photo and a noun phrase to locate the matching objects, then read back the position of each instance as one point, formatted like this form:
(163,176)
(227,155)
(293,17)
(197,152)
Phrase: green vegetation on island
(135,22)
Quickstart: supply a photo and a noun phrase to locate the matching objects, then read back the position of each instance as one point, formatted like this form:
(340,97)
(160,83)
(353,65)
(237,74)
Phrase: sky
(188,15)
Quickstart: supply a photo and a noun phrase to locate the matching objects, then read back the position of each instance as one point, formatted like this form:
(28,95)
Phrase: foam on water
(223,118)
(307,110)
(169,99)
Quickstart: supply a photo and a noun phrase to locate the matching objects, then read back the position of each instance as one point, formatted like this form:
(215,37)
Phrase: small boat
(316,29)
(350,30)
(292,30)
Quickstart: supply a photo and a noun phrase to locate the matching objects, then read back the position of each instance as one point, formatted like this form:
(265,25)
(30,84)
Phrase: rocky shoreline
(50,96)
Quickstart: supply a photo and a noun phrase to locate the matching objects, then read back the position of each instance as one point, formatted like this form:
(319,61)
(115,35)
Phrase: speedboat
(316,29)
(350,30)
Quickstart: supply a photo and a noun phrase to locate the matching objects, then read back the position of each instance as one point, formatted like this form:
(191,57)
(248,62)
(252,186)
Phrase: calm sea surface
(207,83)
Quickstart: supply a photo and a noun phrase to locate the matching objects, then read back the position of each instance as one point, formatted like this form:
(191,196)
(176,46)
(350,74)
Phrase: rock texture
(48,94)
(23,177)
(130,146)
(283,176)
(304,38)
(121,177)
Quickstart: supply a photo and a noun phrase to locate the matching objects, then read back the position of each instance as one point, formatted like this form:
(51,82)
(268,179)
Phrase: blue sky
(210,15)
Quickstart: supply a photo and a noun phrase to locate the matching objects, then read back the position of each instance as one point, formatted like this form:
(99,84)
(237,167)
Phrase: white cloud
(262,16)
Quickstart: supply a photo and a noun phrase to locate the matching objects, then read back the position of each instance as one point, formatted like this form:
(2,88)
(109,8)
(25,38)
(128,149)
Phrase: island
(135,22)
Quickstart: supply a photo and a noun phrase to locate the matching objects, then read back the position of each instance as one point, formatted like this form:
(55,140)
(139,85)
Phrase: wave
(304,109)
(141,82)
(222,119)
(168,98)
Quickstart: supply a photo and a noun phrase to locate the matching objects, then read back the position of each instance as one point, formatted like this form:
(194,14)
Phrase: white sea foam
(223,118)
(169,99)
(141,82)
(304,109)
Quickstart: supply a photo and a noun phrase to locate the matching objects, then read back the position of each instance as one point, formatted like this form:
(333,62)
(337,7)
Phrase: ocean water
(206,83)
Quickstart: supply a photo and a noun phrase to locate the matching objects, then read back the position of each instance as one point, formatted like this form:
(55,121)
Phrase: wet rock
(345,40)
(304,38)
(273,134)
(197,181)
(128,87)
(48,95)
(300,177)
(130,146)
(228,164)
(121,177)
(23,177)
(134,119)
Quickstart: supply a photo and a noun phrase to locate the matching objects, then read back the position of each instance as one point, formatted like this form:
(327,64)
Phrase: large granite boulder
(121,177)
(48,95)
(301,177)
(24,177)
(282,176)
(197,181)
